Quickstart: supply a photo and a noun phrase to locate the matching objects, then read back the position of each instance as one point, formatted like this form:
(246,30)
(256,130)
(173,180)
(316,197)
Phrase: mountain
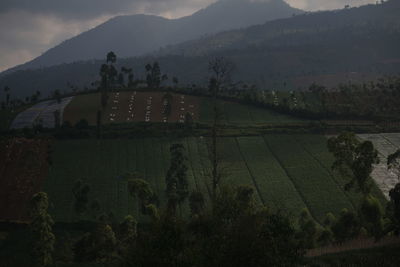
(357,44)
(136,35)
(318,28)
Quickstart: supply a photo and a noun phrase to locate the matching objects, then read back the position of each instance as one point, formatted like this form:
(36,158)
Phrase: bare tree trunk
(214,150)
(221,70)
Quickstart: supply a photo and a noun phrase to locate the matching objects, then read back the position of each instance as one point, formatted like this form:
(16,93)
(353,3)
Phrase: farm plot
(41,113)
(288,172)
(386,144)
(234,113)
(275,187)
(315,145)
(103,165)
(314,183)
(23,167)
(135,106)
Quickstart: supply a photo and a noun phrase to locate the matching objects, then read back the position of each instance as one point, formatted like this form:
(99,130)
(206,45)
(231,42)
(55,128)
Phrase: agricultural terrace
(125,107)
(135,106)
(288,172)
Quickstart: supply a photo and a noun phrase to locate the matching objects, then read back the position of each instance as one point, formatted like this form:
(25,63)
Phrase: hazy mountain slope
(314,28)
(326,47)
(139,34)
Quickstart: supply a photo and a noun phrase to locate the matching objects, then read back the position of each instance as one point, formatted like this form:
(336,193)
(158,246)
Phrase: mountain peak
(143,34)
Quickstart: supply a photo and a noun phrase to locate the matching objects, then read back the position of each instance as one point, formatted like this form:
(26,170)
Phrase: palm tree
(111,57)
(7,90)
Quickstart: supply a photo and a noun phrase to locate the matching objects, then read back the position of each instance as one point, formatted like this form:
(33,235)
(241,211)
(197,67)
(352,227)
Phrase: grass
(83,107)
(315,184)
(237,114)
(289,172)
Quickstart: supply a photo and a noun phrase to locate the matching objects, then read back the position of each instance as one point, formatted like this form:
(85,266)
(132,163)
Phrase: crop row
(319,191)
(289,172)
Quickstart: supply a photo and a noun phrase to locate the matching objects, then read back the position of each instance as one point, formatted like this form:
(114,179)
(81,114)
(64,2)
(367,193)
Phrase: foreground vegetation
(289,172)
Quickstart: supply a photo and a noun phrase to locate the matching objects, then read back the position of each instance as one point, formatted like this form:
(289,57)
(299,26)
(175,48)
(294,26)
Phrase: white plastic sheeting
(42,112)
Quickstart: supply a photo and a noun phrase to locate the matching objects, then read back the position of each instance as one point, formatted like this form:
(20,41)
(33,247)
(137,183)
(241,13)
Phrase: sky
(30,27)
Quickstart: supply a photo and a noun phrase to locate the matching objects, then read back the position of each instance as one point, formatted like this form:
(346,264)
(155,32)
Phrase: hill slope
(358,44)
(136,35)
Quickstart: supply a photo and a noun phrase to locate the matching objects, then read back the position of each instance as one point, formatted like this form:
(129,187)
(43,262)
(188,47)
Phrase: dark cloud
(70,8)
(86,9)
(312,5)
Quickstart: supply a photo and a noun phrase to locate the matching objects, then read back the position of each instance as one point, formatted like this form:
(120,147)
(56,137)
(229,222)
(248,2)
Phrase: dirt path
(361,243)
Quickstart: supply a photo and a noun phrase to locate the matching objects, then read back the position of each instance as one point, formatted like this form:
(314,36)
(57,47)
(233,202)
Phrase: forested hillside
(328,48)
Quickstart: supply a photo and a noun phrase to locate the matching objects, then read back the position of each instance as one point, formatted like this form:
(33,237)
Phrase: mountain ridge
(329,48)
(153,32)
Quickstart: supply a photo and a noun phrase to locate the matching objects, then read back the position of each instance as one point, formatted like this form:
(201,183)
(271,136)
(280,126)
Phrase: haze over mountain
(324,47)
(136,35)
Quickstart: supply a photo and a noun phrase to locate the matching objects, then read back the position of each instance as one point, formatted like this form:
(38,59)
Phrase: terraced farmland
(283,169)
(132,107)
(234,113)
(125,107)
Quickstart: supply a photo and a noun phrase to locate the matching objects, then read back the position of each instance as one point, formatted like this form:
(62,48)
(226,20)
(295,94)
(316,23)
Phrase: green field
(289,172)
(235,113)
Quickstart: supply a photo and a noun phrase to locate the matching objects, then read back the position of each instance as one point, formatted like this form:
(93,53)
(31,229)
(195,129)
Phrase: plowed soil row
(132,106)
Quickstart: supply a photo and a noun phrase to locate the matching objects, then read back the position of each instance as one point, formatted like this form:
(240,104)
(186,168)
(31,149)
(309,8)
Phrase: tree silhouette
(41,227)
(354,160)
(153,76)
(221,70)
(7,91)
(393,163)
(176,178)
(111,57)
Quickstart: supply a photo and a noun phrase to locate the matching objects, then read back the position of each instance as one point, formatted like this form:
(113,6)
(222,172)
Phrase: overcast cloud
(30,27)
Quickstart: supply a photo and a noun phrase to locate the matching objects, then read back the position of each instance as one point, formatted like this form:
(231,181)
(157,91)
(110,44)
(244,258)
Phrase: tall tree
(153,75)
(221,70)
(142,190)
(393,210)
(41,227)
(176,178)
(111,57)
(98,124)
(354,159)
(393,163)
(7,91)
